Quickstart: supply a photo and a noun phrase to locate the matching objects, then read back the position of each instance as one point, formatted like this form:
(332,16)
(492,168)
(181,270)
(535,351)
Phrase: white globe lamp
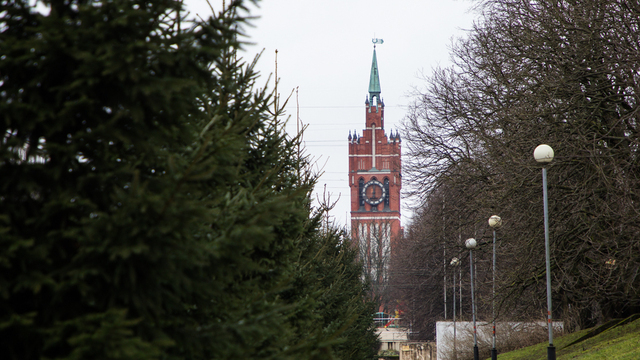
(495,221)
(543,153)
(471,243)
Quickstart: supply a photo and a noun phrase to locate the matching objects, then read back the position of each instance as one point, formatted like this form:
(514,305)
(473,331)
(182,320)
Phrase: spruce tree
(98,252)
(335,311)
(151,203)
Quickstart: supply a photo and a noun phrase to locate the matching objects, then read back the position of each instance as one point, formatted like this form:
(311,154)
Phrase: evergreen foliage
(151,205)
(329,280)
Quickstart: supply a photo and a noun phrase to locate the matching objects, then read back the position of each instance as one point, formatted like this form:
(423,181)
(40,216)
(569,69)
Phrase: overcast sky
(325,50)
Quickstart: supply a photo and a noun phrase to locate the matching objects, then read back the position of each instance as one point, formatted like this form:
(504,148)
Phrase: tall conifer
(151,204)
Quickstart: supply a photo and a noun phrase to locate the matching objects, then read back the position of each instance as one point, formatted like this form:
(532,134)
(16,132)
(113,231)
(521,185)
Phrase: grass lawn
(616,340)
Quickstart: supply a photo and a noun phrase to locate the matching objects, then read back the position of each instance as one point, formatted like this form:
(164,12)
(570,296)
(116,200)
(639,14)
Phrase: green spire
(374,80)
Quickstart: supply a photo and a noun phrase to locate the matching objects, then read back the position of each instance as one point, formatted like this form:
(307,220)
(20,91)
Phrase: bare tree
(563,73)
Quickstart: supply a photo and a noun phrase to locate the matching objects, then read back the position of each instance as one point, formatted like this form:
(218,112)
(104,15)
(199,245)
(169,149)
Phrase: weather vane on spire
(377,41)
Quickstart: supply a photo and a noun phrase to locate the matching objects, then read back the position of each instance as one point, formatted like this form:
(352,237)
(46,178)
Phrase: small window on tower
(360,194)
(386,189)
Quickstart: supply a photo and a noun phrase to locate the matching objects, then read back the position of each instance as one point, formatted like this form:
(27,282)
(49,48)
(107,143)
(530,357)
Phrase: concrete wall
(464,334)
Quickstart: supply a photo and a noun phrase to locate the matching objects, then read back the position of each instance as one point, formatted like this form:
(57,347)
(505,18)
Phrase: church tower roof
(374,79)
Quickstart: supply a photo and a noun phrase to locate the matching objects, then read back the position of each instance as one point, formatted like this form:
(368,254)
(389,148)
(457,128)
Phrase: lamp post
(495,222)
(454,263)
(471,244)
(544,154)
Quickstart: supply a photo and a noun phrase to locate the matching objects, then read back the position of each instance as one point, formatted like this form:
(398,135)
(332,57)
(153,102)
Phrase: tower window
(386,189)
(360,194)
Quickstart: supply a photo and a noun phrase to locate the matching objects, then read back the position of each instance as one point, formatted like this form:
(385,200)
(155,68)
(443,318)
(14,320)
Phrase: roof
(374,79)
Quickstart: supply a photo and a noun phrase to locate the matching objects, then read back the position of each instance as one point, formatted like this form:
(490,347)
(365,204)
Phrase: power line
(344,141)
(345,107)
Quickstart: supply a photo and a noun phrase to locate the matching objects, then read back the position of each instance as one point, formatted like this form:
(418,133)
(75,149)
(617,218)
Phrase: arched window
(360,194)
(386,191)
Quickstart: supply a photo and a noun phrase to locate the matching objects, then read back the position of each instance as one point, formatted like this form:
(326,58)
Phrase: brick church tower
(375,183)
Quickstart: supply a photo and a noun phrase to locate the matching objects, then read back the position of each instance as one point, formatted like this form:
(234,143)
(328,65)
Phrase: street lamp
(495,222)
(544,154)
(471,244)
(454,263)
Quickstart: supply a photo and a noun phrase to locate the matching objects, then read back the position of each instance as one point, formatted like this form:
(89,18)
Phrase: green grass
(615,340)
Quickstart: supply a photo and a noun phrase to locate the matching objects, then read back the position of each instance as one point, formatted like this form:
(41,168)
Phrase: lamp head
(455,261)
(495,221)
(470,243)
(543,153)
